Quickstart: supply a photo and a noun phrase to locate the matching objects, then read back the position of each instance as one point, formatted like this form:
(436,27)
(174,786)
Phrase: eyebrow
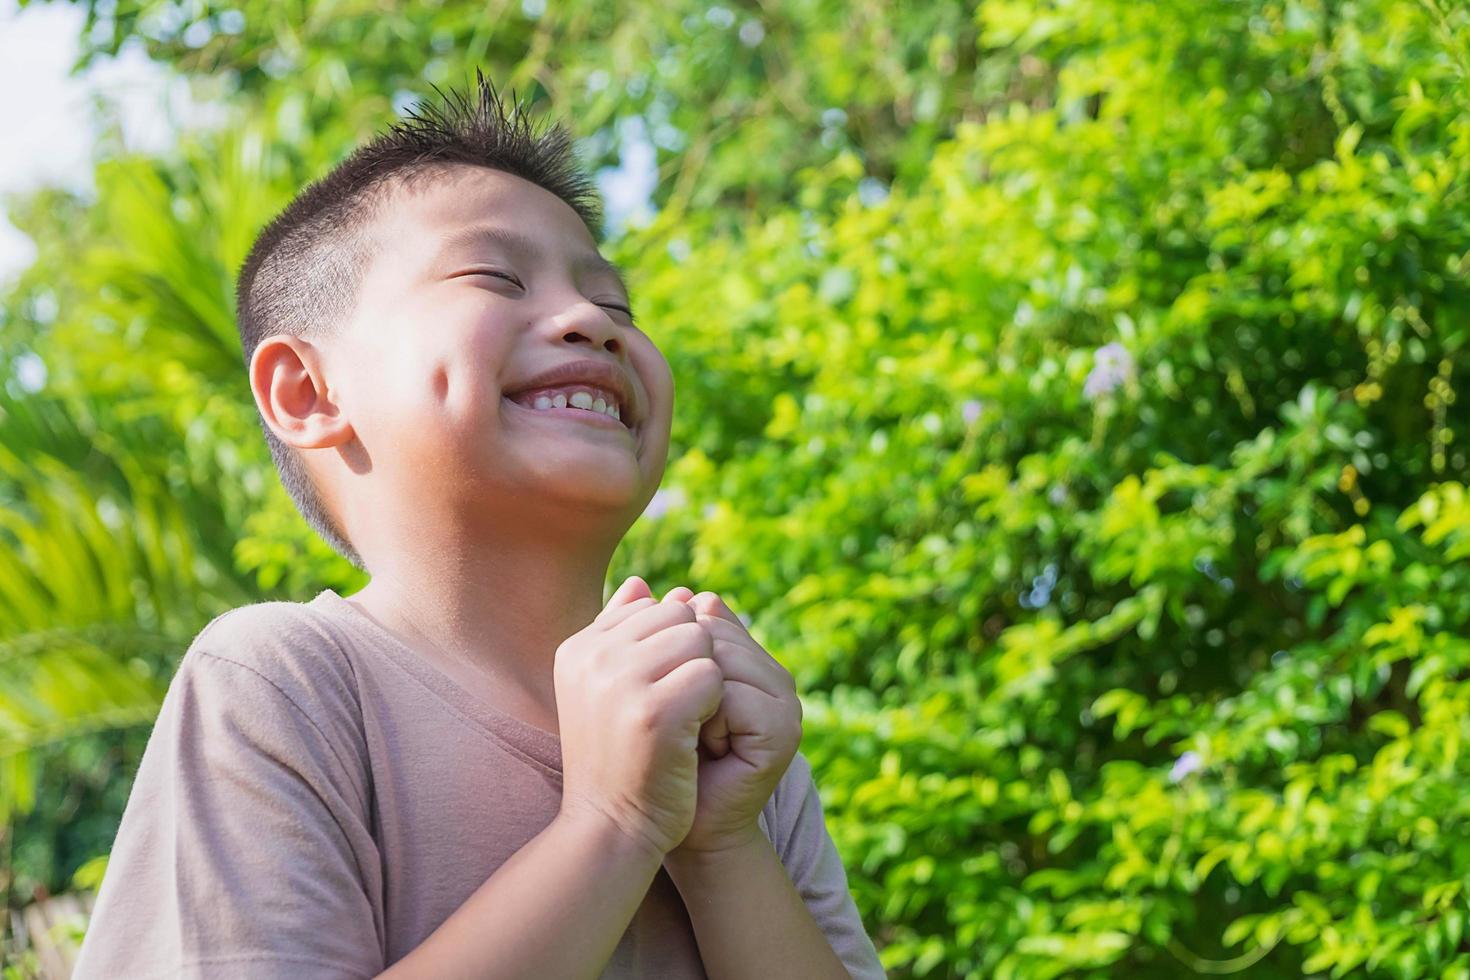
(476,235)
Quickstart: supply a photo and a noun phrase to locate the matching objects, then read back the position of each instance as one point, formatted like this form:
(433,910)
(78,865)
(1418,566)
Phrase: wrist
(696,862)
(608,834)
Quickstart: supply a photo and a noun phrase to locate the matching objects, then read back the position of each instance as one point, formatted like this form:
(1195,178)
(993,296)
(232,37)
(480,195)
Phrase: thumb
(714,734)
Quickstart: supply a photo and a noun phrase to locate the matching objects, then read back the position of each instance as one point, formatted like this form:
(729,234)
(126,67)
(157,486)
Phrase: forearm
(557,908)
(748,917)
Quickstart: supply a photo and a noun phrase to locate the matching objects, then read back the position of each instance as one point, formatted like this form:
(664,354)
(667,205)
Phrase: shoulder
(271,680)
(279,657)
(286,644)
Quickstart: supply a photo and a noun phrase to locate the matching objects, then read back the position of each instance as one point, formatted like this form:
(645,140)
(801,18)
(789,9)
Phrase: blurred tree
(707,82)
(1067,394)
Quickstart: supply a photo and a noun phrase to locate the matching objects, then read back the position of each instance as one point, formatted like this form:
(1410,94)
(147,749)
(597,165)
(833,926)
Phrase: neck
(497,601)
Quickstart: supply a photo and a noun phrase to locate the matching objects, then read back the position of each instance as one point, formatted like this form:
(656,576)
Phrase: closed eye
(510,278)
(491,272)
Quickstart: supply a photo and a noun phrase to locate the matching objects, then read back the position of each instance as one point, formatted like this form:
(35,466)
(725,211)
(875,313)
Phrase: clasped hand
(748,744)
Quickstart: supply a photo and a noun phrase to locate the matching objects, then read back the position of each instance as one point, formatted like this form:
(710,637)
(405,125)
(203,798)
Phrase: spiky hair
(304,271)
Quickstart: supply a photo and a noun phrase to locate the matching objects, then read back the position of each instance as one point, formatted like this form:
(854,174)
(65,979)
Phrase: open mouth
(583,415)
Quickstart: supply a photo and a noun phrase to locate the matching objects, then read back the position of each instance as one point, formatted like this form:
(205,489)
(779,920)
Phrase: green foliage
(1079,426)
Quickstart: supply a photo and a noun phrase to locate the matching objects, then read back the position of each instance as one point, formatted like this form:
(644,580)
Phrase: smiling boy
(474,766)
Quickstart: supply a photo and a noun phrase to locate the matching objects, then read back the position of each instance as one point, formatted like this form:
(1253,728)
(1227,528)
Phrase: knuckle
(675,612)
(570,650)
(692,635)
(711,678)
(792,726)
(604,669)
(596,656)
(679,632)
(645,714)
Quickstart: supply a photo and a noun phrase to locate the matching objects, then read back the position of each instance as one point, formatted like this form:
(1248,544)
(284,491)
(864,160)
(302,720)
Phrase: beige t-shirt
(315,799)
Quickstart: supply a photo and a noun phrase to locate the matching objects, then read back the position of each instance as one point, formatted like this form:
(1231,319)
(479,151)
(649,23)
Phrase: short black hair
(303,273)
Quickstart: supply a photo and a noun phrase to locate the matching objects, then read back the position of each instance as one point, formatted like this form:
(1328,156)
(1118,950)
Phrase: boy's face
(440,337)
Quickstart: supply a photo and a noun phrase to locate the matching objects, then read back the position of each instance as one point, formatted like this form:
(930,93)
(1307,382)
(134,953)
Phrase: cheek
(416,395)
(458,366)
(655,372)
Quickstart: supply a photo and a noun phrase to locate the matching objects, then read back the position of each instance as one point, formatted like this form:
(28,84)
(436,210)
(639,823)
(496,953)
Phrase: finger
(714,734)
(711,604)
(652,617)
(692,689)
(632,589)
(720,627)
(615,616)
(739,663)
(653,660)
(679,593)
(755,718)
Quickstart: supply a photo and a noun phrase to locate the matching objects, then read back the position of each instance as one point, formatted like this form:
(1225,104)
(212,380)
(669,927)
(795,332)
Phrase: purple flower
(971,410)
(1111,366)
(1184,765)
(662,501)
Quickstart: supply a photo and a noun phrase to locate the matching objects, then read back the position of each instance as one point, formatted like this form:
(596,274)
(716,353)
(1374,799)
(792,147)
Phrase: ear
(290,388)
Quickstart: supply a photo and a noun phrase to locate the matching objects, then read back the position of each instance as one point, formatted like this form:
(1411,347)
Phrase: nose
(586,321)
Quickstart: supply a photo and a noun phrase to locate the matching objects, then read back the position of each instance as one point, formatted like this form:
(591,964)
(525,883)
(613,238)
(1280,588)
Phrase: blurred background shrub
(1067,394)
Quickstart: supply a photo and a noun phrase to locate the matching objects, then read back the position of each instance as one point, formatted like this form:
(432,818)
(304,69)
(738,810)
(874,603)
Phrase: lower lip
(580,414)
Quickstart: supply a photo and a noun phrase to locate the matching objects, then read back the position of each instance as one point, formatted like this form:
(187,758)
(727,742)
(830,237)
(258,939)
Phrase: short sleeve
(812,861)
(244,849)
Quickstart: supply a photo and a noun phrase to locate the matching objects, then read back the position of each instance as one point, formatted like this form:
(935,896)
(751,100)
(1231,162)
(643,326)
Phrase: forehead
(474,210)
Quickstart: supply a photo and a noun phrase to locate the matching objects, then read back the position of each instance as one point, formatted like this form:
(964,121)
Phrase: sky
(50,121)
(52,124)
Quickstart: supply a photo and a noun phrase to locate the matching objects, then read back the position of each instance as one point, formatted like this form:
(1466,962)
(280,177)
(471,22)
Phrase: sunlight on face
(484,281)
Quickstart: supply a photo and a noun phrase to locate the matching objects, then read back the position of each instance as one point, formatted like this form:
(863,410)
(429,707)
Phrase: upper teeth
(581,396)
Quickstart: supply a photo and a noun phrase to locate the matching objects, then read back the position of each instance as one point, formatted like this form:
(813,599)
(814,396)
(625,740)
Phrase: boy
(471,767)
